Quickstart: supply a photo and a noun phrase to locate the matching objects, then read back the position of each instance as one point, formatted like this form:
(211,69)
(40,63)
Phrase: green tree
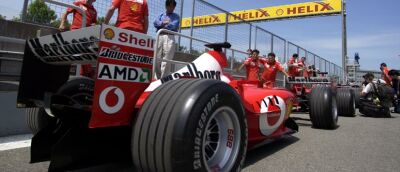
(100,20)
(39,12)
(56,23)
(16,19)
(2,17)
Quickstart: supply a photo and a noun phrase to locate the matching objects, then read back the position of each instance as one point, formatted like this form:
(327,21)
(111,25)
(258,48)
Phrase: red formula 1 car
(321,97)
(195,119)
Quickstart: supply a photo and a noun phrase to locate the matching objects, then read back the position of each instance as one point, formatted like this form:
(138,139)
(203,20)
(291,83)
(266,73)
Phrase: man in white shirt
(369,87)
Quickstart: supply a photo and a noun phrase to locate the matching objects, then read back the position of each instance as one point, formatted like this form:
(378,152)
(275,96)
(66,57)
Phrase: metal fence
(242,36)
(245,36)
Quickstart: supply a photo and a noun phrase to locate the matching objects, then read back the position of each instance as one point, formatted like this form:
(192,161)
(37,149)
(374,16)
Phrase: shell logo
(109,33)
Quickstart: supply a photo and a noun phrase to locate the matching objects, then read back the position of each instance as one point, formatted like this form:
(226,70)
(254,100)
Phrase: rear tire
(79,89)
(190,125)
(357,96)
(323,110)
(37,118)
(345,102)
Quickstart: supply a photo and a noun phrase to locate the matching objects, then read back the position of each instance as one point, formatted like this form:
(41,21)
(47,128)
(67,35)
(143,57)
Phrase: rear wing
(47,59)
(124,62)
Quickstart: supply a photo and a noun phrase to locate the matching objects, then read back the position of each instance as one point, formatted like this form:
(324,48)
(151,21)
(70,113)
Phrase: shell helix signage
(326,7)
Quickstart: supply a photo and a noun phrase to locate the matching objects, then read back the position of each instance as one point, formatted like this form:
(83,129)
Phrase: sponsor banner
(326,7)
(123,73)
(125,37)
(124,53)
(309,79)
(113,72)
(79,46)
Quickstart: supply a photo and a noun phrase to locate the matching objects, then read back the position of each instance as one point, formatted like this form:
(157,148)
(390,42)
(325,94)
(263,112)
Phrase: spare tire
(345,102)
(323,108)
(190,125)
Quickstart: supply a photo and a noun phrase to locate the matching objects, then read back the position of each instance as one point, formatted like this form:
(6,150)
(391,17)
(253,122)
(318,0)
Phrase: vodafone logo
(113,94)
(273,110)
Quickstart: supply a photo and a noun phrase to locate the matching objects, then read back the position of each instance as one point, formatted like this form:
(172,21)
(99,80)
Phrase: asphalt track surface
(360,144)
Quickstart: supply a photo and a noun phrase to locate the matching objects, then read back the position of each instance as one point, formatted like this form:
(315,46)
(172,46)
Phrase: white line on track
(15,142)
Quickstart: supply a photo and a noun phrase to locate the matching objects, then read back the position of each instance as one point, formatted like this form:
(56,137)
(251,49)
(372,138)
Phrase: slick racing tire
(346,104)
(190,125)
(357,96)
(323,108)
(79,89)
(36,119)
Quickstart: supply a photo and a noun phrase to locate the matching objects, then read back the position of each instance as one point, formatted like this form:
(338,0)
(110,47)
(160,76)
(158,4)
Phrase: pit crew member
(271,67)
(395,77)
(132,15)
(253,65)
(293,65)
(385,73)
(91,19)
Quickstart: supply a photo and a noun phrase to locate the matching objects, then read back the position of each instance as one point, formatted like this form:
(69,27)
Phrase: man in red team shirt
(132,15)
(385,73)
(91,19)
(253,64)
(302,67)
(293,66)
(271,67)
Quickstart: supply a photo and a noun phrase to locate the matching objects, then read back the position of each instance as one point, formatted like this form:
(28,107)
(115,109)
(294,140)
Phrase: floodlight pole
(344,41)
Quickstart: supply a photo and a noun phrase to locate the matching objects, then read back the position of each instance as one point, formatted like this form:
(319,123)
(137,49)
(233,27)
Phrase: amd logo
(123,73)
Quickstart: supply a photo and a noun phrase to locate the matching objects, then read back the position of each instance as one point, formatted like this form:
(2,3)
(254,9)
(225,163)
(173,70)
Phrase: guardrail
(9,66)
(12,40)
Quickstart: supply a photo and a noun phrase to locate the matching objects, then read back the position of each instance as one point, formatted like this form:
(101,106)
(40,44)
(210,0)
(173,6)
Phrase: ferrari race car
(322,99)
(197,118)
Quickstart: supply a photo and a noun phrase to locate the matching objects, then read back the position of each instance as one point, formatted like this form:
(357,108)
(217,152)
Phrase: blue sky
(373,28)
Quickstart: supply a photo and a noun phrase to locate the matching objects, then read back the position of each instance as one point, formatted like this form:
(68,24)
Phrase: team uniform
(300,68)
(293,70)
(269,74)
(253,68)
(91,18)
(386,75)
(131,14)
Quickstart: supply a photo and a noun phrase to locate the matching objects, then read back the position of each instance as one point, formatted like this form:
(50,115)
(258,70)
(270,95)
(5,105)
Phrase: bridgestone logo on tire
(199,131)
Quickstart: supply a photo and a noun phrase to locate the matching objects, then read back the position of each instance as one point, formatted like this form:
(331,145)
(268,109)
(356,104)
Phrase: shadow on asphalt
(255,155)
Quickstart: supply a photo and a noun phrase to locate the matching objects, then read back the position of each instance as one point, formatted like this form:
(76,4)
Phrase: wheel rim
(222,125)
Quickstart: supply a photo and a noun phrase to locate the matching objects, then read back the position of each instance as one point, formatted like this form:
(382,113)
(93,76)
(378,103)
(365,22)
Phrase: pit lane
(359,144)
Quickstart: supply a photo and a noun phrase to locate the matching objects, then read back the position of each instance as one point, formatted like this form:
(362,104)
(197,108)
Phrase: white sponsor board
(78,46)
(128,38)
(114,72)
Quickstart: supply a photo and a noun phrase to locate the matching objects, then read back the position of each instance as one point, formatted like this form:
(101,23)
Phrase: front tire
(323,110)
(190,125)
